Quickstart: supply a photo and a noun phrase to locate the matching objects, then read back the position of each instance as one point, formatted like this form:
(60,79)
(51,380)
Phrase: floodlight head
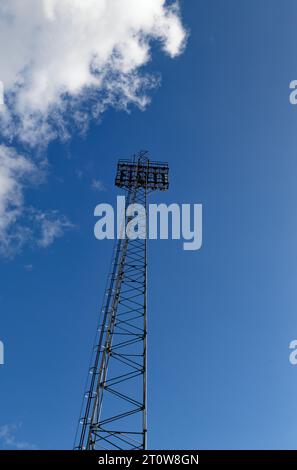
(142,173)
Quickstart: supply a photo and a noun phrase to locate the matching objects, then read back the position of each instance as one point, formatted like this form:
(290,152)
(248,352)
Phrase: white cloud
(9,441)
(79,54)
(51,225)
(62,63)
(15,172)
(21,224)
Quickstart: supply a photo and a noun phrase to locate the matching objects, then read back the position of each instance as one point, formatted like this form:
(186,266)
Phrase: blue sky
(220,319)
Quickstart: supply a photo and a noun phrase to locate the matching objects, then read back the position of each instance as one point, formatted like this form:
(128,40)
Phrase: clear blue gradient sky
(220,319)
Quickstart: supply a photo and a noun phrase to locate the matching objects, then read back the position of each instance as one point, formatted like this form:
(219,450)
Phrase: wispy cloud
(10,441)
(79,174)
(97,185)
(16,172)
(51,225)
(21,224)
(28,267)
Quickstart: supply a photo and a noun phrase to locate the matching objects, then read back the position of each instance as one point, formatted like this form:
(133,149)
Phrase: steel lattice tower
(114,410)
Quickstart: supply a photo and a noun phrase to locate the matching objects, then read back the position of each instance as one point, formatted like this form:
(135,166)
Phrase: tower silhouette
(114,410)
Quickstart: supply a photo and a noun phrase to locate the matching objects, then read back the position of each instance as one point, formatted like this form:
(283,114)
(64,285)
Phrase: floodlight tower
(114,410)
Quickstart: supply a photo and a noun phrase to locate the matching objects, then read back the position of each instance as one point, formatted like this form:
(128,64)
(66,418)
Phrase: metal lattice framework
(114,412)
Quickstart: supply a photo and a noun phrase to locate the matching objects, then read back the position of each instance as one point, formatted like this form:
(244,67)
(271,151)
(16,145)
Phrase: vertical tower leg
(115,408)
